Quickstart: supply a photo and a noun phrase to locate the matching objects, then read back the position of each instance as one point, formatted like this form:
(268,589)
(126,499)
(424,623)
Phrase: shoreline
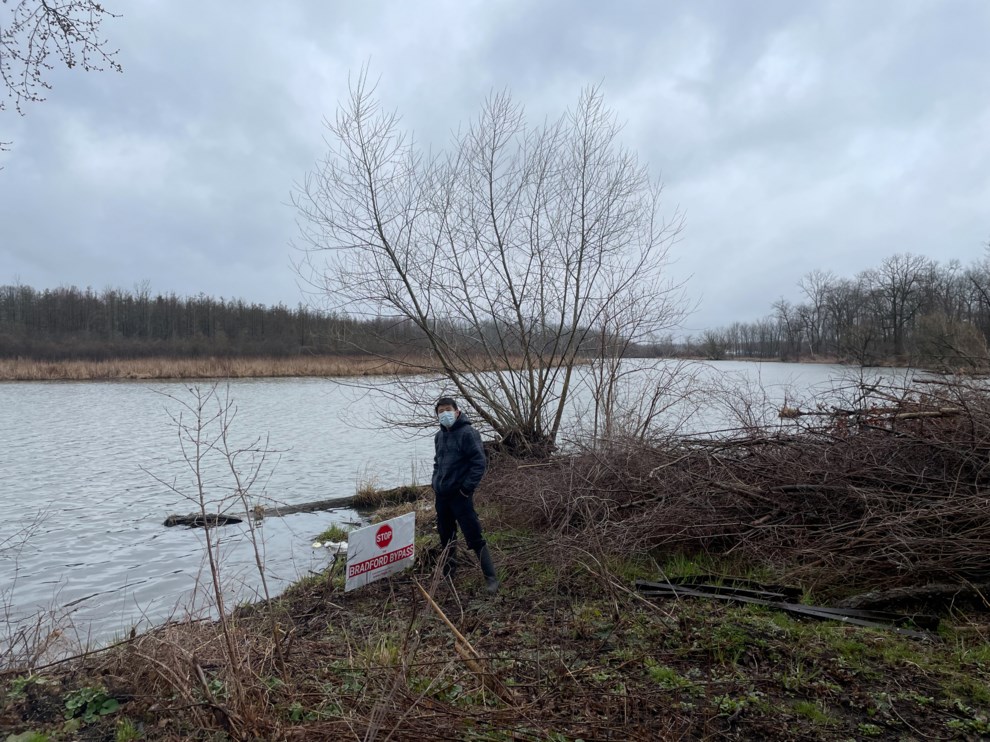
(566,649)
(208,367)
(266,367)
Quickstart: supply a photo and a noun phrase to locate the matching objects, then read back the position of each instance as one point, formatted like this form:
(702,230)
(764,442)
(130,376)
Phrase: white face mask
(447,418)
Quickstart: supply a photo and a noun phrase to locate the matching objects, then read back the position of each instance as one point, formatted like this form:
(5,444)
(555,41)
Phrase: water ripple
(76,472)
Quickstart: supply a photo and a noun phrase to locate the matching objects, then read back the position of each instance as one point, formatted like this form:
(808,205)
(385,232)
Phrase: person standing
(459,464)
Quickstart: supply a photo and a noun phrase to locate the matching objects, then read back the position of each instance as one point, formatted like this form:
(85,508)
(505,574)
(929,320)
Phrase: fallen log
(210,520)
(334,503)
(201,520)
(365,500)
(879,413)
(361,501)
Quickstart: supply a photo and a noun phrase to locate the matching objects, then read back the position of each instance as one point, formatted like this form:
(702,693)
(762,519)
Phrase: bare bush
(27,641)
(890,492)
(219,475)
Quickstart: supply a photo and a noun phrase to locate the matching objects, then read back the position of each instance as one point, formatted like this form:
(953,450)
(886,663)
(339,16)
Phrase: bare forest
(909,309)
(72,324)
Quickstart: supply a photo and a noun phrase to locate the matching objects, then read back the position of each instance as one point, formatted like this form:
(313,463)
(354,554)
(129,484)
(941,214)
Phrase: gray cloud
(795,136)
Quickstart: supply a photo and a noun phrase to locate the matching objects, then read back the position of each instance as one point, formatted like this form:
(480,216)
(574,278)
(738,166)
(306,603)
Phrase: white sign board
(380,550)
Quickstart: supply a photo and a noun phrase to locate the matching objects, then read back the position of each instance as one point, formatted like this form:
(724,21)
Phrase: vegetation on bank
(205,368)
(566,651)
(842,503)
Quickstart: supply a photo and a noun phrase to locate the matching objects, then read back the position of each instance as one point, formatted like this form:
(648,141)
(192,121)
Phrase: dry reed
(213,367)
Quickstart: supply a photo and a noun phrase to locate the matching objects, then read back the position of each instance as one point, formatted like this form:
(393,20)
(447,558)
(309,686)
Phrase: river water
(89,470)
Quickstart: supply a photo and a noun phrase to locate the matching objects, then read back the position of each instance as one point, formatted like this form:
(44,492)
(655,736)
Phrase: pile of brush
(891,492)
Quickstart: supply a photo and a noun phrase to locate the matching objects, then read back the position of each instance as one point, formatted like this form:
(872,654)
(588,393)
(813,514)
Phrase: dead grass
(212,367)
(207,368)
(371,498)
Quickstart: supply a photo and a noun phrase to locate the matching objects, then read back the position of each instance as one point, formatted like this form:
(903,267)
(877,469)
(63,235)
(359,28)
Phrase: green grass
(666,677)
(558,630)
(28,737)
(506,537)
(968,689)
(588,619)
(869,730)
(800,676)
(126,731)
(334,533)
(368,496)
(814,713)
(966,651)
(681,565)
(670,566)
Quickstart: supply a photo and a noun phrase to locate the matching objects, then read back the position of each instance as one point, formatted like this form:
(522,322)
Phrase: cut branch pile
(892,493)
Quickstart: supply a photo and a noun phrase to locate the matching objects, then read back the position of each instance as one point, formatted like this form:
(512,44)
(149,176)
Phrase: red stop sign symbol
(383,537)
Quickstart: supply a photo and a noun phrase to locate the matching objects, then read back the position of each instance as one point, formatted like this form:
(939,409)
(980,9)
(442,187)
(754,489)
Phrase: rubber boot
(488,568)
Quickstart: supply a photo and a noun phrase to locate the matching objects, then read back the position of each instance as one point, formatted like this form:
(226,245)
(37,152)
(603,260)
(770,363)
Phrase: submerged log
(333,503)
(201,520)
(209,520)
(366,500)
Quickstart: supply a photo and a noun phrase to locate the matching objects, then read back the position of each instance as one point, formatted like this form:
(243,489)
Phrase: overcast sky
(793,135)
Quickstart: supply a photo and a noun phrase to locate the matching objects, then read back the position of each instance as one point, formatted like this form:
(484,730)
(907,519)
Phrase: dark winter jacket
(459,462)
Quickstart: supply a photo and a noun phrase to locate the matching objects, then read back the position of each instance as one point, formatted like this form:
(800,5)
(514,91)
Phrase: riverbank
(205,368)
(213,367)
(567,650)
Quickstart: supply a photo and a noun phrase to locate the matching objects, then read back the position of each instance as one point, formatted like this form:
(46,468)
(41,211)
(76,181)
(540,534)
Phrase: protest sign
(379,550)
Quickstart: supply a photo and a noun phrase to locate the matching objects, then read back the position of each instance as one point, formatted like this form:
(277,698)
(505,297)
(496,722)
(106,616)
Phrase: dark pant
(458,510)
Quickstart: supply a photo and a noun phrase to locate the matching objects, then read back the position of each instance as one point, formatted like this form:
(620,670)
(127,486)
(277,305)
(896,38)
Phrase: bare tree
(519,253)
(792,325)
(910,308)
(978,277)
(38,30)
(35,34)
(816,286)
(715,344)
(850,325)
(896,287)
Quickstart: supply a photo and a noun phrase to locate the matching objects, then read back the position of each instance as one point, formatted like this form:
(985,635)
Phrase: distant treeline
(70,323)
(910,309)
